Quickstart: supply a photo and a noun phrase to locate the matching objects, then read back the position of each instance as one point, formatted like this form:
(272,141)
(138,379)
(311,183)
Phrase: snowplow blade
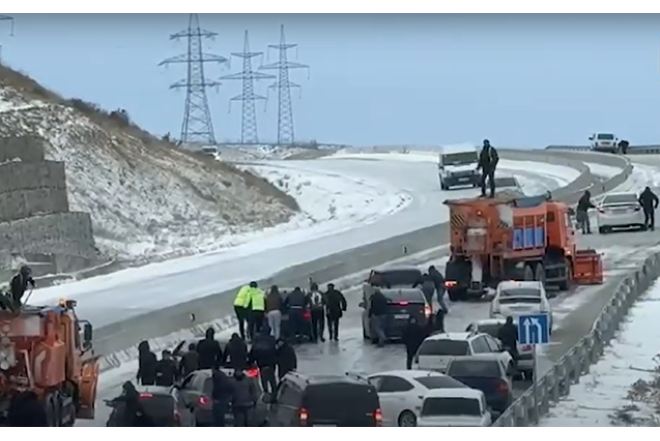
(88,383)
(587,268)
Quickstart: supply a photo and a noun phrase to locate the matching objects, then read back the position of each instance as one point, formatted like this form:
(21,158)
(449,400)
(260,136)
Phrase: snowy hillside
(145,198)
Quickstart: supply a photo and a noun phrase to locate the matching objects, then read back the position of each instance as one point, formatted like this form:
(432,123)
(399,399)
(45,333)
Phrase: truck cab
(457,166)
(604,142)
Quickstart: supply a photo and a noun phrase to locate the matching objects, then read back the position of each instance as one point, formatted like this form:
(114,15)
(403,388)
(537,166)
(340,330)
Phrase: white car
(525,352)
(454,408)
(438,350)
(620,210)
(401,393)
(516,298)
(604,142)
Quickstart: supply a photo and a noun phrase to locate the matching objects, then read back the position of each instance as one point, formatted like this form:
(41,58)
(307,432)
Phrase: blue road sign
(533,329)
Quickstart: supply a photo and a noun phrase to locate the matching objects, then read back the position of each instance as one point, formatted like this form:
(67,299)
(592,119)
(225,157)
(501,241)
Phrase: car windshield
(440,382)
(613,199)
(463,158)
(520,292)
(444,347)
(490,328)
(451,406)
(474,368)
(404,295)
(606,136)
(405,277)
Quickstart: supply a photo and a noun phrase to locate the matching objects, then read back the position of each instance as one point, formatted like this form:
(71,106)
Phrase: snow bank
(604,171)
(606,396)
(145,197)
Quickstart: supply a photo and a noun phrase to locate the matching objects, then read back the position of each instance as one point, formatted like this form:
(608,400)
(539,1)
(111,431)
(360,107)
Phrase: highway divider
(556,384)
(122,336)
(644,149)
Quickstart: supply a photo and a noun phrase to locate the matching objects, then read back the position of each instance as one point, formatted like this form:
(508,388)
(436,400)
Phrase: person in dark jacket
(26,410)
(131,413)
(427,285)
(440,288)
(623,146)
(378,306)
(209,350)
(147,362)
(649,202)
(582,212)
(287,361)
(317,300)
(221,395)
(236,353)
(264,354)
(274,307)
(488,159)
(189,361)
(166,370)
(508,335)
(413,336)
(19,284)
(243,398)
(335,306)
(296,303)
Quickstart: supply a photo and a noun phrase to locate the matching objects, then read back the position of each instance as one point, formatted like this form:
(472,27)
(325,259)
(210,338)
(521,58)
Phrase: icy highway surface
(118,296)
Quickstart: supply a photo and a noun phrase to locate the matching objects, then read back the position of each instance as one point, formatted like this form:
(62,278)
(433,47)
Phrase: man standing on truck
(19,284)
(488,159)
(649,202)
(582,215)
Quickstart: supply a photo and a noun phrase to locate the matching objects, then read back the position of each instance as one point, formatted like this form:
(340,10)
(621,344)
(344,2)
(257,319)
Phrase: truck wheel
(565,285)
(539,273)
(529,273)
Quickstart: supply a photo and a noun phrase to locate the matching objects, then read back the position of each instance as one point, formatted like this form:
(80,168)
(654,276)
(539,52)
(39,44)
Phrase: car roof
(327,379)
(386,268)
(411,374)
(400,291)
(464,336)
(490,321)
(454,393)
(157,390)
(513,284)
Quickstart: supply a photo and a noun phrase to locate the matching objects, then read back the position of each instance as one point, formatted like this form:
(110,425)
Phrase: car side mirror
(591,138)
(88,332)
(362,305)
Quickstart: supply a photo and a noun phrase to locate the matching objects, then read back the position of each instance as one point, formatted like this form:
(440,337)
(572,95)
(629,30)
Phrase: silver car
(620,210)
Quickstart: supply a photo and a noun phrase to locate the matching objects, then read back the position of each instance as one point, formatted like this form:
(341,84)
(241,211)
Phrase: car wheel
(407,419)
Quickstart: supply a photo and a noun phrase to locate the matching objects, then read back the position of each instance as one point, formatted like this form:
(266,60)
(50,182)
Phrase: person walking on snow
(274,306)
(649,202)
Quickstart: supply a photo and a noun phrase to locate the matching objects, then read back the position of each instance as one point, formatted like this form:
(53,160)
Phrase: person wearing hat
(488,159)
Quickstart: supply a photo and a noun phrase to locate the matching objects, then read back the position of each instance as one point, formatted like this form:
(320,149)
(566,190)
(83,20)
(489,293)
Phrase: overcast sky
(518,80)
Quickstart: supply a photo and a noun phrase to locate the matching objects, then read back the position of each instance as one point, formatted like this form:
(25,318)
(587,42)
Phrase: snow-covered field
(606,397)
(603,171)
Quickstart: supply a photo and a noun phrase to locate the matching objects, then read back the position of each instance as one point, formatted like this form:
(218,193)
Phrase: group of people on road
(311,309)
(648,200)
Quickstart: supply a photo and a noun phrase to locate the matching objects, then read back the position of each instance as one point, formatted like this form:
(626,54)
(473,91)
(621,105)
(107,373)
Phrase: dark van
(324,401)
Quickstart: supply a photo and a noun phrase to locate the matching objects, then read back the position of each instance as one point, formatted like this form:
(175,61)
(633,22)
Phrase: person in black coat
(296,303)
(244,397)
(130,411)
(649,202)
(26,410)
(189,361)
(221,395)
(508,335)
(335,304)
(19,284)
(147,361)
(440,288)
(209,350)
(413,336)
(287,361)
(488,159)
(236,353)
(166,370)
(582,215)
(378,308)
(264,354)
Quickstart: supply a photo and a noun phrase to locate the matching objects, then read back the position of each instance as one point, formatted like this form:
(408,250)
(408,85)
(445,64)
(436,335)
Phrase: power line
(249,132)
(285,132)
(197,124)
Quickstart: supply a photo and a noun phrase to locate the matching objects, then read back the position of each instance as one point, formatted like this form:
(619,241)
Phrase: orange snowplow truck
(48,350)
(509,238)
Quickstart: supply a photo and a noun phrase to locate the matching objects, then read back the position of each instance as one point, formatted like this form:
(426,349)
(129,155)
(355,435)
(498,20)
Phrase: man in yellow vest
(257,309)
(242,307)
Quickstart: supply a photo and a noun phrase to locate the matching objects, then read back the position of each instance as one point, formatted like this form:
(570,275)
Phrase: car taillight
(303,416)
(427,311)
(177,418)
(449,283)
(307,315)
(503,386)
(378,416)
(204,401)
(403,303)
(146,395)
(253,372)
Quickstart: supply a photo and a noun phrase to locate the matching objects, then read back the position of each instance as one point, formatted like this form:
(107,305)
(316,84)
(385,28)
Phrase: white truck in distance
(457,166)
(604,142)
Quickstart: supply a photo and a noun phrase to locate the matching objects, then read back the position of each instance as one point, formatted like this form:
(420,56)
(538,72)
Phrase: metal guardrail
(647,149)
(577,361)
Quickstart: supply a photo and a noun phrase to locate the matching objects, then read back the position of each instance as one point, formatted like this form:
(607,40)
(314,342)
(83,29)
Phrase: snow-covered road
(127,293)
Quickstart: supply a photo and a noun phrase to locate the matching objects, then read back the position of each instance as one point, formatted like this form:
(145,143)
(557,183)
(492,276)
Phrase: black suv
(324,400)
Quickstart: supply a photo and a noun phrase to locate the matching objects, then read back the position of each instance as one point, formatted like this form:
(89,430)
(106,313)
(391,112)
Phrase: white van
(457,165)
